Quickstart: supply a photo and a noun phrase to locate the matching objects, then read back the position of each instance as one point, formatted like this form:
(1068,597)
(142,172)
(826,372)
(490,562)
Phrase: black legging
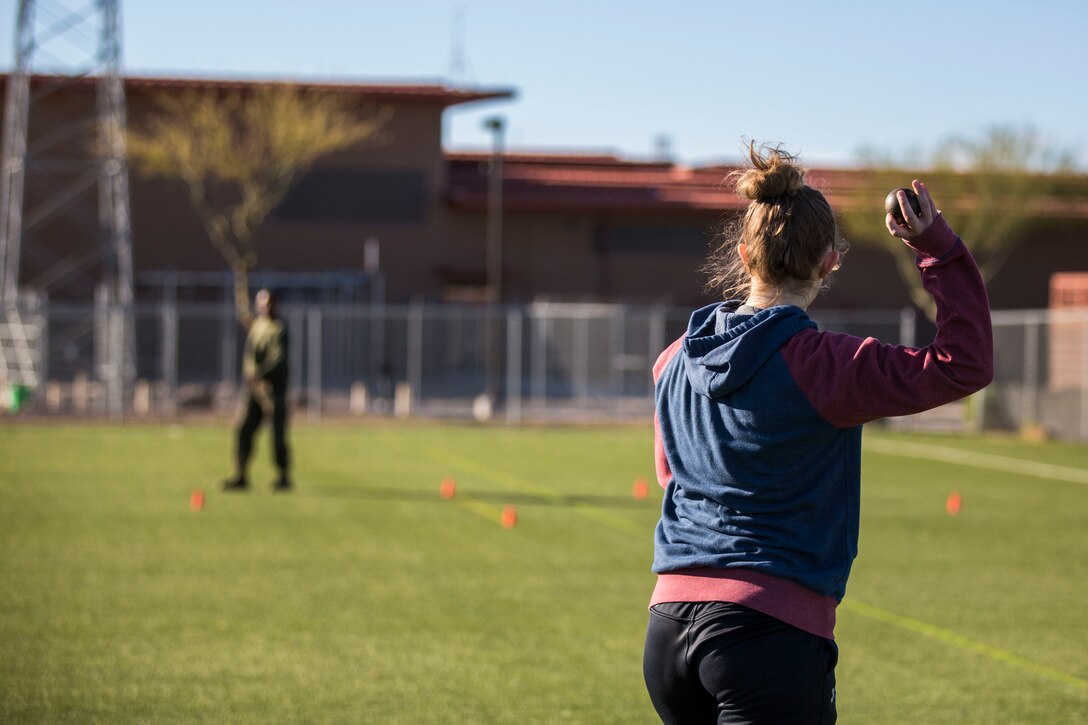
(716,662)
(252,421)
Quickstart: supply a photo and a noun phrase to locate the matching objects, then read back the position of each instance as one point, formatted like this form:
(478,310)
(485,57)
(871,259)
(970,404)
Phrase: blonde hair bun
(786,229)
(774,174)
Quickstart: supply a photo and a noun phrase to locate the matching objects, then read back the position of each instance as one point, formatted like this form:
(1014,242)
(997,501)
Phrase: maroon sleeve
(661,463)
(850,380)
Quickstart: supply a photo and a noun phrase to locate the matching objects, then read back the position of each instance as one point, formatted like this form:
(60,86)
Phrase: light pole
(497,126)
(493,373)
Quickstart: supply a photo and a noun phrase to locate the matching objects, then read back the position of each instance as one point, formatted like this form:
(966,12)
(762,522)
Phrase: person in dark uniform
(264,366)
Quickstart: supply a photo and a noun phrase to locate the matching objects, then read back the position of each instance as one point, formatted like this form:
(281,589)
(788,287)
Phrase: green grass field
(365,597)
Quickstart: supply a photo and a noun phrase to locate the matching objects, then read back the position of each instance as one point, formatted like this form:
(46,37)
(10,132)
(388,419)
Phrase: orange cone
(448,489)
(509,517)
(641,489)
(196,500)
(952,505)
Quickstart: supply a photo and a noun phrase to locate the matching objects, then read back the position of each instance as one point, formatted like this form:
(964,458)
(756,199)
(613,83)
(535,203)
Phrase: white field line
(978,460)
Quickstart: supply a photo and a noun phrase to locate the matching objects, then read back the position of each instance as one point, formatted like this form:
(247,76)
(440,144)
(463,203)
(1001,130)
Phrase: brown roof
(434,93)
(589,182)
(558,158)
(604,182)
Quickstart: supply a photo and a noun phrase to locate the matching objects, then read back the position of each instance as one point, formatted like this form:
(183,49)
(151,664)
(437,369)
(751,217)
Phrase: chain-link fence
(1041,374)
(547,360)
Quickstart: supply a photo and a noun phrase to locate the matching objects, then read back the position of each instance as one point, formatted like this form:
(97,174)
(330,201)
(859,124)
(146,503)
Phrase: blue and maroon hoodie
(758,439)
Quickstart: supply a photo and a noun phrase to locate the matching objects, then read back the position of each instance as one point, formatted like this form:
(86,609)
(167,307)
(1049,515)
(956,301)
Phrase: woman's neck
(763,295)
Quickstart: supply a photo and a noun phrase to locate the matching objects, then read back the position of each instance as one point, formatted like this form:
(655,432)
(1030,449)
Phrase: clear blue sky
(825,77)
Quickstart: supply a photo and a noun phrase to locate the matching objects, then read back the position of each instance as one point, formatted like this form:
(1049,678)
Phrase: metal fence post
(228,342)
(513,367)
(119,378)
(169,352)
(617,340)
(376,344)
(908,319)
(43,340)
(313,363)
(295,330)
(1029,399)
(415,352)
(580,331)
(538,358)
(101,362)
(657,332)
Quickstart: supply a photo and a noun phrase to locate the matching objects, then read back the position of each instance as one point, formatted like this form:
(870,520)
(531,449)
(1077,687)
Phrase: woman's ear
(742,250)
(830,263)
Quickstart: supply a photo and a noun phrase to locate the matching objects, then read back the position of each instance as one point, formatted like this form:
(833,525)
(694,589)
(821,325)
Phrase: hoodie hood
(723,350)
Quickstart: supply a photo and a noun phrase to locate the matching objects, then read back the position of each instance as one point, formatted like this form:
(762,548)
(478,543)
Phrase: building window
(340,195)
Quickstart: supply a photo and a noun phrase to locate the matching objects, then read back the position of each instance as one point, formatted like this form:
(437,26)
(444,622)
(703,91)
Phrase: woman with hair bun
(758,447)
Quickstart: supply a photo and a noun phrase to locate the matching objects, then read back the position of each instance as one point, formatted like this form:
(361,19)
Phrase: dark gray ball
(891,203)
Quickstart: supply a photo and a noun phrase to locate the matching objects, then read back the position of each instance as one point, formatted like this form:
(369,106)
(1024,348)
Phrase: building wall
(561,255)
(595,257)
(1023,281)
(598,257)
(169,235)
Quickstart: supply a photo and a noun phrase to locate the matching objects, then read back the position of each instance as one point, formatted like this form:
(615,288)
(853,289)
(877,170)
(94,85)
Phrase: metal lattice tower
(64,195)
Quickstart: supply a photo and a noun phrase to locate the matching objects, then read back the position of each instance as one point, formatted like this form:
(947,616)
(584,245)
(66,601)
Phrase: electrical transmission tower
(64,202)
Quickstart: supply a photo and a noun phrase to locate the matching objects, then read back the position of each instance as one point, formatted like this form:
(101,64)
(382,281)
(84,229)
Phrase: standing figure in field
(264,367)
(758,422)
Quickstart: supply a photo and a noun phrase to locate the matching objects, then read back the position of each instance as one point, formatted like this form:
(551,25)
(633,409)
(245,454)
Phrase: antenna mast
(64,196)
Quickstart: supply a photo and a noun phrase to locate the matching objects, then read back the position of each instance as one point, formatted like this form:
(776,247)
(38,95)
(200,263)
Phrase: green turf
(364,597)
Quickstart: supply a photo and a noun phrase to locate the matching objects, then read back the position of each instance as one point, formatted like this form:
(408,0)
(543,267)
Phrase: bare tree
(990,189)
(239,153)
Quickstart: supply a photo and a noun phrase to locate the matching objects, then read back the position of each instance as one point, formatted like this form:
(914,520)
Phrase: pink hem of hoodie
(774,596)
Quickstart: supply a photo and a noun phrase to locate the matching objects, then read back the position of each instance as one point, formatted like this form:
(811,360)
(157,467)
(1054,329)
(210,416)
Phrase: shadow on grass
(415,495)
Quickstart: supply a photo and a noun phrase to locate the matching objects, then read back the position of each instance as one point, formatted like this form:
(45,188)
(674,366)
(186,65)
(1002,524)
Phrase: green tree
(239,153)
(989,188)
